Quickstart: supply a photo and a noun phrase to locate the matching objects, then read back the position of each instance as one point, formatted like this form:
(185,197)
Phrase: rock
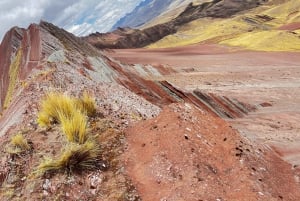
(47,184)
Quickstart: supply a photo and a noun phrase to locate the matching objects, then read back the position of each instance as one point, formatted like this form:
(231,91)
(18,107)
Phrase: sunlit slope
(267,41)
(273,27)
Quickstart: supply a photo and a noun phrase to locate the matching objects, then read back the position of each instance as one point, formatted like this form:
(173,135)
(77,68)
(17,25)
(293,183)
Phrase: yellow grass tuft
(81,152)
(44,120)
(87,104)
(74,158)
(74,126)
(54,104)
(18,144)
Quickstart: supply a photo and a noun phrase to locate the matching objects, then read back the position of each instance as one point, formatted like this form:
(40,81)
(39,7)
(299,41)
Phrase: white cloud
(101,17)
(78,16)
(19,13)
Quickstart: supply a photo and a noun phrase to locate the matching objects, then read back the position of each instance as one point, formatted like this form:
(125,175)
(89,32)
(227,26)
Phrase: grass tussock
(74,126)
(53,104)
(18,144)
(81,151)
(74,158)
(87,104)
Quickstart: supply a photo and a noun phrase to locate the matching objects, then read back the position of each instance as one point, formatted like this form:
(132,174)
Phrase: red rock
(26,41)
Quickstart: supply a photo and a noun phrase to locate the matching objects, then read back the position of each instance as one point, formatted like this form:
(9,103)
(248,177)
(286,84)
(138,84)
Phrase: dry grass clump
(18,144)
(74,158)
(52,105)
(87,104)
(74,126)
(44,120)
(81,152)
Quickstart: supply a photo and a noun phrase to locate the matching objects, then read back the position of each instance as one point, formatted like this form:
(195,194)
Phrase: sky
(80,17)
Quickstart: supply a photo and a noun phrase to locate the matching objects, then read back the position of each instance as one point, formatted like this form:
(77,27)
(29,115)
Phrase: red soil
(290,27)
(268,80)
(186,154)
(203,55)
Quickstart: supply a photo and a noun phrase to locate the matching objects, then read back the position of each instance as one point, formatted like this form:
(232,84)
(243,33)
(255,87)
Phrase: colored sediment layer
(274,27)
(13,77)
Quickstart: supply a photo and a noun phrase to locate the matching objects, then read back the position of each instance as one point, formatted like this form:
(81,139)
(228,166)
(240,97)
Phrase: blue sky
(80,17)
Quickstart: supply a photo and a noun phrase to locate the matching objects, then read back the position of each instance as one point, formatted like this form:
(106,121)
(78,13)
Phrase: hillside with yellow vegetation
(272,27)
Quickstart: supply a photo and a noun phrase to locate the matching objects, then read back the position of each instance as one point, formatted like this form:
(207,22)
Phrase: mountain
(43,59)
(144,37)
(197,119)
(272,27)
(142,13)
(256,25)
(146,11)
(172,11)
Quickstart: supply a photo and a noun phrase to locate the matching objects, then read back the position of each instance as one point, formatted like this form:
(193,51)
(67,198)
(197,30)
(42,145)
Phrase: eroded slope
(124,38)
(272,27)
(62,62)
(187,154)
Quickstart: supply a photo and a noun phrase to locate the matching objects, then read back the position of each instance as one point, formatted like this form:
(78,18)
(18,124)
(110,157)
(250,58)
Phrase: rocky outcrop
(69,41)
(22,50)
(46,58)
(140,38)
(19,54)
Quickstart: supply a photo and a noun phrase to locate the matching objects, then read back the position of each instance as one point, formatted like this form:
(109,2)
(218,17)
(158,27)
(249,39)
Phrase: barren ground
(268,80)
(253,77)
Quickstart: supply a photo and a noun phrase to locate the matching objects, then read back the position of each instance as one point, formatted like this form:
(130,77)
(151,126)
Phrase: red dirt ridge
(187,154)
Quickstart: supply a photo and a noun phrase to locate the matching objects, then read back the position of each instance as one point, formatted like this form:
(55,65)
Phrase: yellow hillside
(267,41)
(285,13)
(255,30)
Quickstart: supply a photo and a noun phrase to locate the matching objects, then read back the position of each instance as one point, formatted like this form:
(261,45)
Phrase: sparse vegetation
(13,77)
(18,144)
(74,126)
(74,158)
(43,120)
(81,151)
(56,104)
(87,104)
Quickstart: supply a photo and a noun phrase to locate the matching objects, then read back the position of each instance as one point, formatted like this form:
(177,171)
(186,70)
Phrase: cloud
(80,17)
(101,17)
(19,13)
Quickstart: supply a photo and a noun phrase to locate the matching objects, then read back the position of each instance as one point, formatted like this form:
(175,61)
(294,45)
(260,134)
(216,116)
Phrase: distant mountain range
(146,11)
